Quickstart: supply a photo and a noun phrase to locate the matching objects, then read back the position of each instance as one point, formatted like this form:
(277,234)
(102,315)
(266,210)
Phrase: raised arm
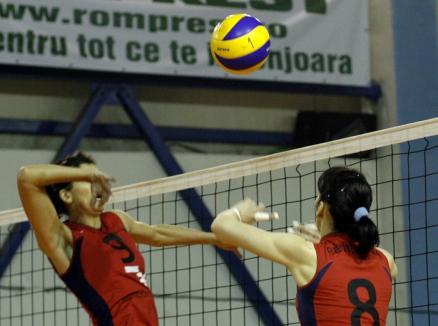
(32,181)
(50,233)
(233,227)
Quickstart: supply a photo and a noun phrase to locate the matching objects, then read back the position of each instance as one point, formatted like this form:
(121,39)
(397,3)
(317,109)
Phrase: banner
(312,41)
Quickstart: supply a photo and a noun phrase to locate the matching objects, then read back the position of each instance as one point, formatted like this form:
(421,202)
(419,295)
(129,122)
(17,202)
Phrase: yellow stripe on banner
(243,45)
(222,29)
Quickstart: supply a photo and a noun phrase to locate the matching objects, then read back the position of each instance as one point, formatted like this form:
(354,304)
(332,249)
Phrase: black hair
(74,160)
(345,190)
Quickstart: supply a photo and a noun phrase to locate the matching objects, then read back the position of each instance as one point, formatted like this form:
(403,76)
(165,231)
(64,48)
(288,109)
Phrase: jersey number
(115,242)
(362,306)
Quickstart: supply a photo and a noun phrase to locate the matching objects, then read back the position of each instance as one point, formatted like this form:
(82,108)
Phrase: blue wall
(416,59)
(416,69)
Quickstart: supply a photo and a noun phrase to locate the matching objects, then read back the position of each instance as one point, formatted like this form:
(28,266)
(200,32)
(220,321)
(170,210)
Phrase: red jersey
(345,289)
(106,271)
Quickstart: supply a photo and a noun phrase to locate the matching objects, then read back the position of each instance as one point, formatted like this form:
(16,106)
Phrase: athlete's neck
(327,226)
(323,218)
(92,221)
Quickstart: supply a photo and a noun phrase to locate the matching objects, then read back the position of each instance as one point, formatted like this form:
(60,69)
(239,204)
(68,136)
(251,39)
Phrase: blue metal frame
(196,205)
(83,123)
(125,131)
(153,138)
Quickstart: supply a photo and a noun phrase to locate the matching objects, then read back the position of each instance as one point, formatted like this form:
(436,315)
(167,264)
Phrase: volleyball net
(198,285)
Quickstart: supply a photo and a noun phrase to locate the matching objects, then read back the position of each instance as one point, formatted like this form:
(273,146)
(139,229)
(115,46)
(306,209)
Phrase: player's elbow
(24,179)
(221,225)
(29,175)
(23,175)
(26,175)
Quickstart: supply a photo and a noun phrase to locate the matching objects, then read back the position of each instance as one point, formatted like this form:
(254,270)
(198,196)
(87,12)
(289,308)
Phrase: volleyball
(240,44)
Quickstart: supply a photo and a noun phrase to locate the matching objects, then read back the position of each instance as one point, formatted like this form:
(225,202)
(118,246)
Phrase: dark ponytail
(349,197)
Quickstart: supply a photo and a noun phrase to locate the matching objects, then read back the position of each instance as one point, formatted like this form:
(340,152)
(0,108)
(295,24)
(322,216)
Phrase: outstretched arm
(233,226)
(168,235)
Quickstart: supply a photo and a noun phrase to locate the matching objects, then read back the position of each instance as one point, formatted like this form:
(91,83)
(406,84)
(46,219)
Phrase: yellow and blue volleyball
(240,44)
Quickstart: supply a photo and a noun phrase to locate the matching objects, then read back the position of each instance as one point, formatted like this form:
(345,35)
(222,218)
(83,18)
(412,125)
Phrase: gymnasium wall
(416,65)
(62,100)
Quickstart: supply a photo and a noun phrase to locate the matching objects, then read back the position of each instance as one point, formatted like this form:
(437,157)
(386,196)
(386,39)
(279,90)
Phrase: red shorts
(136,310)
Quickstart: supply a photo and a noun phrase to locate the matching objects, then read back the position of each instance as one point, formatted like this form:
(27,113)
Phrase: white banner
(312,41)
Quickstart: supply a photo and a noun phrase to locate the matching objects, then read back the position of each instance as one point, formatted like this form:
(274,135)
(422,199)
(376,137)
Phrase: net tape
(336,148)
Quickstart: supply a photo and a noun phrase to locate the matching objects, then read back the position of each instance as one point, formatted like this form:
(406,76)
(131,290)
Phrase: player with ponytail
(342,279)
(349,197)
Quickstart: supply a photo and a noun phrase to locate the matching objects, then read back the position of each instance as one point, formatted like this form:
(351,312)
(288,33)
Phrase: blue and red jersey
(107,271)
(345,290)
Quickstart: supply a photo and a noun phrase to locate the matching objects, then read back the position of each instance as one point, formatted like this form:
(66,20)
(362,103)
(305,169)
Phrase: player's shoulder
(117,212)
(386,253)
(391,261)
(122,216)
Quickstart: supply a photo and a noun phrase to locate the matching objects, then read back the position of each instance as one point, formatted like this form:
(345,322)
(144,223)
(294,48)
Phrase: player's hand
(100,185)
(247,209)
(307,231)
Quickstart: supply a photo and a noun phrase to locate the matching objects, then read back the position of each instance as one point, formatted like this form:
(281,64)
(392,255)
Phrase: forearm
(167,235)
(42,175)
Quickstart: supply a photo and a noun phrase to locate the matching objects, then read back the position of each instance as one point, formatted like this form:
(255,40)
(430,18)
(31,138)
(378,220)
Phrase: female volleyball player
(344,279)
(94,252)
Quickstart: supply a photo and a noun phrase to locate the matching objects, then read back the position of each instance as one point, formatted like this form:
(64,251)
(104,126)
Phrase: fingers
(261,206)
(265,216)
(101,189)
(106,194)
(109,178)
(253,204)
(104,180)
(100,184)
(249,204)
(103,177)
(251,211)
(306,231)
(97,175)
(106,186)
